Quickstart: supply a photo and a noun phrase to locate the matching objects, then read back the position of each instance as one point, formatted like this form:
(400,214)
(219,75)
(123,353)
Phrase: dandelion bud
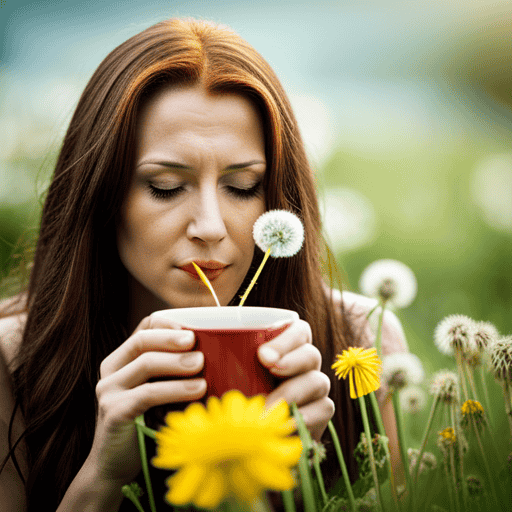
(500,354)
(474,486)
(445,384)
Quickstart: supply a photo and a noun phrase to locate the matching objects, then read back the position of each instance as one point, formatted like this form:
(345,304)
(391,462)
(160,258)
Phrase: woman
(181,139)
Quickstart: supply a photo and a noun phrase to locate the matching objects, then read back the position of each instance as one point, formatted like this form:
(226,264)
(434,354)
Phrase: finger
(316,416)
(157,320)
(301,360)
(134,402)
(299,333)
(301,389)
(154,365)
(158,339)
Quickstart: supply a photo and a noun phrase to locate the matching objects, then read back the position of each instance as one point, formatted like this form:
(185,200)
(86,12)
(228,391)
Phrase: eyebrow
(177,165)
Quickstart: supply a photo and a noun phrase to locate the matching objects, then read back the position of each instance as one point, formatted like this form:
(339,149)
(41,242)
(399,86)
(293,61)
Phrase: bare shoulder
(362,313)
(11,332)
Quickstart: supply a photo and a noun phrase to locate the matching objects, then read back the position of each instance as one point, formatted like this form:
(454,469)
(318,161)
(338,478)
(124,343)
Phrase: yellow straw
(206,282)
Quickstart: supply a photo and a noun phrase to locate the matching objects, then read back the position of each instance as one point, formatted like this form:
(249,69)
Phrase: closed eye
(164,193)
(239,193)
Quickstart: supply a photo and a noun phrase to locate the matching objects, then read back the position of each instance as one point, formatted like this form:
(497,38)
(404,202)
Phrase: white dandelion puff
(455,332)
(500,356)
(278,233)
(281,231)
(401,369)
(445,384)
(485,334)
(391,281)
(413,399)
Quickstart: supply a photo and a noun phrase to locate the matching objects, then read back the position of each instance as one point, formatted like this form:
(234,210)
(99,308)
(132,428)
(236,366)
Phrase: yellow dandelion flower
(472,407)
(231,447)
(363,367)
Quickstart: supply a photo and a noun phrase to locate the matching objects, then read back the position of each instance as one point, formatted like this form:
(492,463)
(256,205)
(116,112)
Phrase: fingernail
(194,385)
(269,355)
(191,359)
(185,338)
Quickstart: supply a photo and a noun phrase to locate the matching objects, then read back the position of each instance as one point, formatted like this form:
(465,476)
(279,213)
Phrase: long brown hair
(77,309)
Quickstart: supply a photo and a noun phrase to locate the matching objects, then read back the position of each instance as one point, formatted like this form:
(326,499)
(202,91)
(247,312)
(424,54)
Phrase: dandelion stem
(382,432)
(343,466)
(308,493)
(486,394)
(258,272)
(508,409)
(425,435)
(401,441)
(458,440)
(139,422)
(460,368)
(307,444)
(450,489)
(369,440)
(454,477)
(288,501)
(486,464)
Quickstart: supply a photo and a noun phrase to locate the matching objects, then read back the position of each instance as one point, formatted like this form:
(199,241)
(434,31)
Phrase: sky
(356,70)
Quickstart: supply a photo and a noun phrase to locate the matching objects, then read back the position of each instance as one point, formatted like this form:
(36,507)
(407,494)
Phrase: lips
(211,269)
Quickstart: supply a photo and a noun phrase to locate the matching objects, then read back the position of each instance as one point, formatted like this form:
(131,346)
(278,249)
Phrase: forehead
(174,105)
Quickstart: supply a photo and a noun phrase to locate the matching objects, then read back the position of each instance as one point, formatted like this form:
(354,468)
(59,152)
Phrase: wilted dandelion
(428,461)
(391,281)
(402,369)
(362,456)
(231,447)
(278,233)
(446,439)
(455,332)
(362,366)
(317,452)
(412,399)
(474,486)
(500,355)
(445,384)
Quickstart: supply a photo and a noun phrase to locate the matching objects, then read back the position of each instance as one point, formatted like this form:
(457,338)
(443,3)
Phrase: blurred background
(405,107)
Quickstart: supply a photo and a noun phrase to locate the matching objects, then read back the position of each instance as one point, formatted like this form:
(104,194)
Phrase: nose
(207,223)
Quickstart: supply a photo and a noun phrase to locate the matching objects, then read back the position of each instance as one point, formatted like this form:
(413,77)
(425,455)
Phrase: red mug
(229,337)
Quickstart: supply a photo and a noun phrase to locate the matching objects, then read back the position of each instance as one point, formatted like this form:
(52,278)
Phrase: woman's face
(194,196)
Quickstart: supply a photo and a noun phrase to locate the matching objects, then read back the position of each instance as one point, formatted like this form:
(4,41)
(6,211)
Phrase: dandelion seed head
(281,230)
(445,384)
(412,399)
(390,281)
(485,334)
(500,356)
(455,332)
(401,369)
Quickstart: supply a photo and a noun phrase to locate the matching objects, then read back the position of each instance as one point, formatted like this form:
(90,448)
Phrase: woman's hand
(157,348)
(292,356)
